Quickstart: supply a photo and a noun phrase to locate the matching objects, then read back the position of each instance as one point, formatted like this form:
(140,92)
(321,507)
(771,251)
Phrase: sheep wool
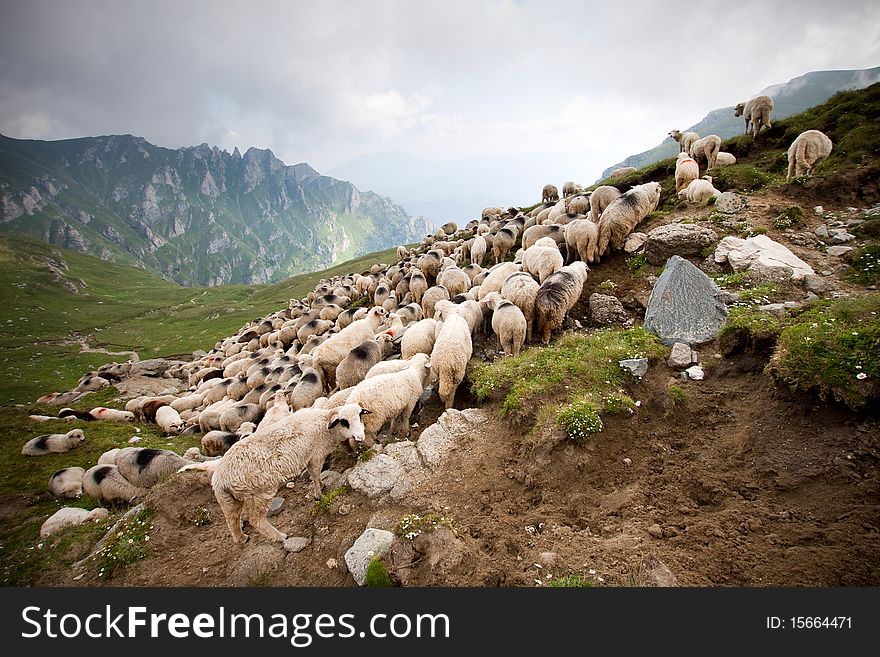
(807,150)
(557,296)
(624,214)
(686,169)
(600,199)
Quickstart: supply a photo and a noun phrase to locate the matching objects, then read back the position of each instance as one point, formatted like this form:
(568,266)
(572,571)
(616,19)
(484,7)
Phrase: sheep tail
(206,466)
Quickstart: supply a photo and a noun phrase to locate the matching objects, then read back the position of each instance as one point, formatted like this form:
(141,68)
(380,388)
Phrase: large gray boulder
(685,305)
(376,476)
(677,239)
(372,544)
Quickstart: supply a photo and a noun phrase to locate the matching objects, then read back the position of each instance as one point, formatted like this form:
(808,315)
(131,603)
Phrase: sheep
(624,214)
(251,472)
(390,302)
(418,285)
(279,410)
(330,312)
(542,259)
(402,253)
(431,297)
(508,323)
(60,398)
(411,312)
(556,296)
(807,150)
(309,387)
(70,516)
(724,159)
(169,421)
(549,194)
(472,271)
(67,482)
(686,169)
(73,414)
(454,280)
(582,238)
(418,339)
(326,357)
(708,148)
(350,315)
(699,191)
(109,457)
(106,484)
(234,416)
(429,265)
(314,327)
(145,467)
(91,384)
(354,367)
(521,289)
(53,443)
(52,418)
(452,351)
(757,112)
(600,199)
(621,172)
(152,405)
(556,211)
(579,205)
(217,443)
(570,188)
(449,228)
(684,139)
(503,242)
(534,233)
(189,402)
(478,250)
(497,275)
(209,418)
(493,212)
(311,344)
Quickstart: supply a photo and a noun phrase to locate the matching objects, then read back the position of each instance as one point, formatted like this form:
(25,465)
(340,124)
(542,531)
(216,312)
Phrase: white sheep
(478,250)
(621,172)
(169,421)
(699,191)
(522,290)
(431,297)
(582,238)
(549,194)
(418,339)
(53,443)
(724,159)
(684,139)
(496,277)
(556,296)
(106,484)
(70,516)
(354,367)
(686,169)
(757,112)
(452,351)
(236,415)
(503,241)
(109,457)
(579,205)
(807,150)
(570,188)
(251,472)
(624,214)
(454,280)
(706,148)
(533,233)
(384,367)
(145,467)
(67,482)
(542,259)
(508,323)
(277,411)
(327,356)
(112,414)
(600,199)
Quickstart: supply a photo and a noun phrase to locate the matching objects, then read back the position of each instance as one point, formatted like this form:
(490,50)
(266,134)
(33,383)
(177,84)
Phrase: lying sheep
(725,159)
(60,398)
(706,148)
(233,417)
(582,238)
(169,421)
(354,367)
(251,472)
(807,150)
(106,484)
(144,467)
(309,387)
(699,191)
(624,214)
(70,516)
(600,199)
(686,170)
(91,384)
(684,139)
(550,194)
(521,289)
(452,351)
(557,296)
(73,414)
(67,482)
(109,457)
(326,357)
(53,443)
(542,259)
(508,324)
(621,172)
(757,112)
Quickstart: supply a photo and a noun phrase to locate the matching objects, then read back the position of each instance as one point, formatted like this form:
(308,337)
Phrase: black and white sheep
(557,296)
(354,367)
(106,484)
(53,443)
(624,214)
(67,482)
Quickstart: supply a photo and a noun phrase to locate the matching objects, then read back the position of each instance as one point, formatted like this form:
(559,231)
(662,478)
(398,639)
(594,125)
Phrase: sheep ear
(333,421)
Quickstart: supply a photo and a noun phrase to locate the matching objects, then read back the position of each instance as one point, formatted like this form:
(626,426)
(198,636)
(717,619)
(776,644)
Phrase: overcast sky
(324,82)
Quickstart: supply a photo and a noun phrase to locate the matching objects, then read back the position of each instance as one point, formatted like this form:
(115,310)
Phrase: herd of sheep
(365,351)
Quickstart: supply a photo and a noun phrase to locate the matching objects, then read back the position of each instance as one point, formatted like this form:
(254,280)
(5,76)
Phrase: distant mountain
(789,98)
(197,215)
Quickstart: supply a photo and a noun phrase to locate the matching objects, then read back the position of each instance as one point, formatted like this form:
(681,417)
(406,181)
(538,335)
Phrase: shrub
(580,420)
(377,574)
(413,525)
(326,502)
(637,263)
(791,216)
(865,265)
(127,545)
(678,396)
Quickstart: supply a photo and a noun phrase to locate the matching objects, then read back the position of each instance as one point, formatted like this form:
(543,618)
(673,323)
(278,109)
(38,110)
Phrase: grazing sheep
(582,238)
(309,387)
(349,316)
(106,484)
(429,265)
(725,159)
(521,289)
(327,356)
(556,296)
(579,205)
(686,169)
(452,351)
(330,312)
(145,467)
(169,421)
(67,482)
(354,367)
(508,323)
(503,242)
(807,150)
(624,214)
(251,472)
(70,516)
(534,233)
(234,416)
(550,194)
(757,112)
(418,285)
(542,259)
(478,250)
(496,277)
(53,443)
(684,139)
(570,188)
(621,172)
(699,191)
(600,199)
(454,280)
(418,339)
(152,404)
(706,148)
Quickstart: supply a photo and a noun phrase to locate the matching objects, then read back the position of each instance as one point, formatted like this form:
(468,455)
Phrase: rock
(376,476)
(331,479)
(684,305)
(153,366)
(438,438)
(730,203)
(841,237)
(257,563)
(766,259)
(811,297)
(817,284)
(275,506)
(695,373)
(776,309)
(296,543)
(681,356)
(638,367)
(818,209)
(406,454)
(677,239)
(372,544)
(657,572)
(838,250)
(634,242)
(655,530)
(627,462)
(822,232)
(607,309)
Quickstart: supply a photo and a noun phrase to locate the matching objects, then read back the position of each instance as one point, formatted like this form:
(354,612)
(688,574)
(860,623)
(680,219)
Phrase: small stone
(296,543)
(331,563)
(822,231)
(775,309)
(275,506)
(838,250)
(670,532)
(638,367)
(695,373)
(344,509)
(681,355)
(818,209)
(656,531)
(79,577)
(811,297)
(841,237)
(730,203)
(627,462)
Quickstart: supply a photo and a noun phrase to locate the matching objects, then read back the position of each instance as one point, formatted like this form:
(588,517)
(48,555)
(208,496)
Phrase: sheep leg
(314,468)
(257,510)
(231,508)
(405,415)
